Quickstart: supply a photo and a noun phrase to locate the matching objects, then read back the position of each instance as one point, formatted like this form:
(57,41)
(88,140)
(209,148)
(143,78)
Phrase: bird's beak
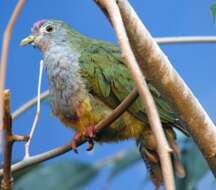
(28,40)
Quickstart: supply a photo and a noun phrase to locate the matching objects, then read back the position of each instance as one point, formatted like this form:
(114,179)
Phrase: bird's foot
(89,134)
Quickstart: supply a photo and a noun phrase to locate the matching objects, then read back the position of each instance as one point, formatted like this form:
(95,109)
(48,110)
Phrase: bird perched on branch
(87,80)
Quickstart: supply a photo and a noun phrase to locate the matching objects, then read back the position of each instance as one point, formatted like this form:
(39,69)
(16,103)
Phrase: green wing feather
(108,78)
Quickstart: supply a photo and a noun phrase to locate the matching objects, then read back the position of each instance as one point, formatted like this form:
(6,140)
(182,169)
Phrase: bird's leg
(75,140)
(89,134)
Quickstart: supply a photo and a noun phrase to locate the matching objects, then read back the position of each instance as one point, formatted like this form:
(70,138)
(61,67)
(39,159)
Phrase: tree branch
(19,138)
(7,181)
(163,148)
(37,114)
(185,39)
(38,158)
(5,45)
(157,68)
(61,150)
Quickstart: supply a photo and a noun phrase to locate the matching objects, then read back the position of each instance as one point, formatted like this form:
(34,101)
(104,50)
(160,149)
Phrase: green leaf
(123,162)
(213,10)
(63,175)
(195,165)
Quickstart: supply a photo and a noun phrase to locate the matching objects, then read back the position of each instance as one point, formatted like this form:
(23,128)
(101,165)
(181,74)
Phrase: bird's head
(45,33)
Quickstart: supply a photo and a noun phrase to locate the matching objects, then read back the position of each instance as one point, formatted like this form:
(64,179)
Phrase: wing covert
(108,78)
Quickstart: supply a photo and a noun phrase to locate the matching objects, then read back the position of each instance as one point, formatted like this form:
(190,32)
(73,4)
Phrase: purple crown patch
(38,24)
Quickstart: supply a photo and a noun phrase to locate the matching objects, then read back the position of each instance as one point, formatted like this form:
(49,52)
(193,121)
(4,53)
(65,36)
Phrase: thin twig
(61,150)
(5,46)
(185,39)
(37,114)
(163,148)
(158,69)
(19,138)
(7,181)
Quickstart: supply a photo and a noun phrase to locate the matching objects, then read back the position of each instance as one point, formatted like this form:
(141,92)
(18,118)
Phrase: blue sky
(194,62)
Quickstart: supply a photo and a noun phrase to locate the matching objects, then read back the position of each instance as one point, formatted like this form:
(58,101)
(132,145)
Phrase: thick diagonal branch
(157,68)
(163,148)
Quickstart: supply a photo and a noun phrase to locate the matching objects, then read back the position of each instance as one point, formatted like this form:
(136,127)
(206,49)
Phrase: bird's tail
(148,151)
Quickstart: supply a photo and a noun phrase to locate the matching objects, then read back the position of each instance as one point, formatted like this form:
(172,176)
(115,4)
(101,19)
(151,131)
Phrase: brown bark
(7,181)
(158,69)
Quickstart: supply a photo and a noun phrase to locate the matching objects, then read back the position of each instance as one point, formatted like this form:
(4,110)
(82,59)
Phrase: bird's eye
(49,28)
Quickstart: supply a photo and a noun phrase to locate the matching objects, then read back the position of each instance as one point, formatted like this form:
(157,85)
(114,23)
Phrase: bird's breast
(65,84)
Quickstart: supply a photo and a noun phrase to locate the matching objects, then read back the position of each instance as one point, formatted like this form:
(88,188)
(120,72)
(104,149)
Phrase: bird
(87,79)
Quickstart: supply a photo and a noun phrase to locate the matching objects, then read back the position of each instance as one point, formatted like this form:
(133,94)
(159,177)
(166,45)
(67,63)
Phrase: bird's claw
(88,134)
(74,146)
(90,145)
